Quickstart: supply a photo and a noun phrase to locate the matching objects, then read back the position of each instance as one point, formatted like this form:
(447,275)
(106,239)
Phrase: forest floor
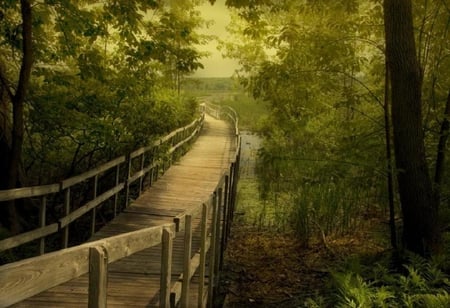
(270,269)
(266,268)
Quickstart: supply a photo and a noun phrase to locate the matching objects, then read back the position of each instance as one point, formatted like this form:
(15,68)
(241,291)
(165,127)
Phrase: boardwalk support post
(213,252)
(225,216)
(202,267)
(42,221)
(94,210)
(98,277)
(166,267)
(218,240)
(186,262)
(127,181)
(65,240)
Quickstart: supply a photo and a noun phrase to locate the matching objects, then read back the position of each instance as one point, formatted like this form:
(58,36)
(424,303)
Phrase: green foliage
(422,284)
(104,81)
(319,66)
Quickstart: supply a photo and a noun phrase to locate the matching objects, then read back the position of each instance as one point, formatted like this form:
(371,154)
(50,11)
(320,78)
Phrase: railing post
(152,171)
(65,240)
(94,210)
(42,221)
(212,255)
(186,262)
(230,201)
(116,195)
(166,267)
(141,179)
(127,181)
(98,277)
(202,266)
(218,234)
(225,220)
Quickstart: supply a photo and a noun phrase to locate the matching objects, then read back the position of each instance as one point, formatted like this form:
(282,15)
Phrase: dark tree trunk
(440,159)
(390,178)
(18,109)
(419,209)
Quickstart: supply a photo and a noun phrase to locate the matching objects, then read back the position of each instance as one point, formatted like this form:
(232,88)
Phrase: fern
(441,300)
(423,284)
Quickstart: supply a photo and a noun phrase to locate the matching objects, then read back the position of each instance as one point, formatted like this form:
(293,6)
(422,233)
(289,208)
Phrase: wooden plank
(42,222)
(141,151)
(166,268)
(98,277)
(28,192)
(212,255)
(203,250)
(90,205)
(26,278)
(91,173)
(187,261)
(26,237)
(124,245)
(176,290)
(29,277)
(135,271)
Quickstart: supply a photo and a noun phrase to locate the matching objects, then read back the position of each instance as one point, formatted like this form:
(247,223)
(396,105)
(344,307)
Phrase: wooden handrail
(175,140)
(23,279)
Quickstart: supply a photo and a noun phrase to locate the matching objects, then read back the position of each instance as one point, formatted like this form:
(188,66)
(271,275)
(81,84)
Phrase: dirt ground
(268,269)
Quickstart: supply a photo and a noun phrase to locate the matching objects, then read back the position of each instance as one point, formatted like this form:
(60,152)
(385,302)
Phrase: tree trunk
(440,159)
(18,109)
(390,181)
(419,209)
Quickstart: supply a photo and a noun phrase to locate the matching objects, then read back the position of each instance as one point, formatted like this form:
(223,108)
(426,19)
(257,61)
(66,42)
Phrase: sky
(215,64)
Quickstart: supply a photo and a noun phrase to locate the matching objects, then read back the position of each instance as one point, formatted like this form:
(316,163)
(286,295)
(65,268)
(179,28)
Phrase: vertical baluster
(127,183)
(212,256)
(98,277)
(42,222)
(116,195)
(94,210)
(202,266)
(166,267)
(141,179)
(225,219)
(186,262)
(65,241)
(217,241)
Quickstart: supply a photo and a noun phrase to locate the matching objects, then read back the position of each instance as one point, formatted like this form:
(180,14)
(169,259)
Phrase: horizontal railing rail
(133,169)
(23,279)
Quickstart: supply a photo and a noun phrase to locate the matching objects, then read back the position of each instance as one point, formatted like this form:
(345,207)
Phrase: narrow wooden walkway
(134,281)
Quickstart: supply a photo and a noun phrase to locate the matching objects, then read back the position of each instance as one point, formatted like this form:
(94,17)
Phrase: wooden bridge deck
(135,280)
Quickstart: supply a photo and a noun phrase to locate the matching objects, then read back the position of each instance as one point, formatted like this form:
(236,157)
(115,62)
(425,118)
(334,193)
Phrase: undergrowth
(417,283)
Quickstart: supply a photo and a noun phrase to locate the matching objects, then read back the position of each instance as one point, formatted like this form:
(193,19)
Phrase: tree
(17,98)
(419,208)
(319,65)
(82,82)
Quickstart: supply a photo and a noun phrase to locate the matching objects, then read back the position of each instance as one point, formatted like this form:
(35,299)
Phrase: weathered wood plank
(28,237)
(26,278)
(166,268)
(90,205)
(91,173)
(98,277)
(28,192)
(135,275)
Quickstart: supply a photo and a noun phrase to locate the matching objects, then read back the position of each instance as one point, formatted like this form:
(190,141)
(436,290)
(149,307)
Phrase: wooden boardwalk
(134,281)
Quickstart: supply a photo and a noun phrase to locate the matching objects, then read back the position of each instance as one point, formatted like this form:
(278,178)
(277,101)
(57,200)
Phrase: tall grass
(330,207)
(312,202)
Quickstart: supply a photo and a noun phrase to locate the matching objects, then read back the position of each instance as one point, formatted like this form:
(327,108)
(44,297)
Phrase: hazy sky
(215,64)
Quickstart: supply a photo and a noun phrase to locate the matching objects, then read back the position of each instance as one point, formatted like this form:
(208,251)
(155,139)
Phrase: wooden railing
(146,163)
(23,279)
